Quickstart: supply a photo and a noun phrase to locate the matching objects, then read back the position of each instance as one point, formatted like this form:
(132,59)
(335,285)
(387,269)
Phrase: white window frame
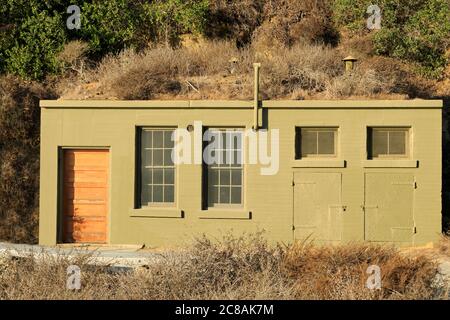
(216,167)
(174,167)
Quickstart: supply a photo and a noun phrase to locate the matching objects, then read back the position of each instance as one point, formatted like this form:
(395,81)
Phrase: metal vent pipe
(256,67)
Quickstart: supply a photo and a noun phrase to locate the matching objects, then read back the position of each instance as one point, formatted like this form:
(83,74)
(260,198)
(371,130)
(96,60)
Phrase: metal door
(388,207)
(318,206)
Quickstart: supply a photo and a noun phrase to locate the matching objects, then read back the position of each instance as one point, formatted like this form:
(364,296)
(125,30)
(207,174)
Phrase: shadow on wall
(446,164)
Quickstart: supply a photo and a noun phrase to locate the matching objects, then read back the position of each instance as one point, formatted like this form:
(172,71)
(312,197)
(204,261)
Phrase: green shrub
(107,25)
(166,20)
(413,30)
(33,32)
(37,41)
(423,38)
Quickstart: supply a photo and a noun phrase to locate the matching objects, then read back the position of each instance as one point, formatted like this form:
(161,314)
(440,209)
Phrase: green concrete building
(330,171)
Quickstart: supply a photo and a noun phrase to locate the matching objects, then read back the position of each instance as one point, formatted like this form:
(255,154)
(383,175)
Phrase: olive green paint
(271,203)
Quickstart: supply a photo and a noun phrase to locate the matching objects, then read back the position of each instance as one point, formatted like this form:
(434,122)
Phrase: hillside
(203,49)
(202,69)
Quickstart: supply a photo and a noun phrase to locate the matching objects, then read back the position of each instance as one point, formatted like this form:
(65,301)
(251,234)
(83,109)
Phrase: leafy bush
(30,36)
(107,25)
(37,41)
(417,30)
(33,33)
(168,19)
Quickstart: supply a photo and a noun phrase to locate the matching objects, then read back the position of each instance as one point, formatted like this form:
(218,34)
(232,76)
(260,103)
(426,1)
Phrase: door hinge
(415,185)
(293,228)
(293,183)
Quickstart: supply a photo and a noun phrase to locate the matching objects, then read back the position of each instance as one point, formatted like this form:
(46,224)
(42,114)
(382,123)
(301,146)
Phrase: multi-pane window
(315,142)
(388,143)
(224,168)
(157,170)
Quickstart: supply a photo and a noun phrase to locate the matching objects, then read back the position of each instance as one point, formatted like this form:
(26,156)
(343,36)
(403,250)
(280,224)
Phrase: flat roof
(241,104)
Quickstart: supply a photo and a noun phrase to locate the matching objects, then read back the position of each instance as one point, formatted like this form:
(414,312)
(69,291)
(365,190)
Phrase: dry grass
(219,70)
(232,268)
(444,244)
(340,272)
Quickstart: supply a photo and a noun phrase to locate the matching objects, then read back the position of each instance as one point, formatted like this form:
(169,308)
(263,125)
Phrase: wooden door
(85,196)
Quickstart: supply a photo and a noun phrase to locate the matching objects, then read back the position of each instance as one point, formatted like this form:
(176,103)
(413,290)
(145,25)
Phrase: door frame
(60,193)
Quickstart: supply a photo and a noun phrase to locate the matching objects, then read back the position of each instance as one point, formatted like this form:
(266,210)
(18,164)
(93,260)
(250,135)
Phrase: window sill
(391,163)
(318,163)
(225,214)
(157,213)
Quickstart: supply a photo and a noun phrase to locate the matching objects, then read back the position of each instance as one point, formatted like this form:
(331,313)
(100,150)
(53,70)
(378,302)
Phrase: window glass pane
(168,157)
(308,142)
(379,143)
(236,195)
(225,177)
(146,194)
(169,194)
(146,139)
(225,158)
(157,176)
(158,139)
(158,157)
(236,177)
(389,142)
(237,160)
(157,194)
(211,158)
(397,142)
(213,177)
(146,176)
(234,140)
(213,195)
(223,139)
(168,143)
(147,157)
(315,142)
(169,176)
(213,137)
(224,195)
(326,142)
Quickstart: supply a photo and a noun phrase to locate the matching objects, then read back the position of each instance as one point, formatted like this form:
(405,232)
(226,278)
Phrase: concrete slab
(118,256)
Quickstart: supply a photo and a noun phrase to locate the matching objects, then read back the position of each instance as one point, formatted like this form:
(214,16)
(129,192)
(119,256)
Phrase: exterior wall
(269,198)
